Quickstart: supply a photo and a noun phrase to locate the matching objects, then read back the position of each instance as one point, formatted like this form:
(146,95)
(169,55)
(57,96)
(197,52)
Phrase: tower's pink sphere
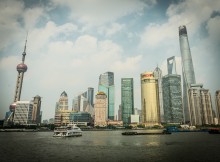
(21,68)
(12,107)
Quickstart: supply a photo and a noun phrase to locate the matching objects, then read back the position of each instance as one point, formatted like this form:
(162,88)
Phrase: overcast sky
(71,42)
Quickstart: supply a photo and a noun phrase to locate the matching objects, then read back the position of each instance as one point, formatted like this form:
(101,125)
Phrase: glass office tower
(106,85)
(127,99)
(90,95)
(172,94)
(187,68)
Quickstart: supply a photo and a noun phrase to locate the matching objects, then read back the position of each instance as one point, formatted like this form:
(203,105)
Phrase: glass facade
(187,68)
(90,95)
(127,99)
(106,85)
(172,98)
(80,117)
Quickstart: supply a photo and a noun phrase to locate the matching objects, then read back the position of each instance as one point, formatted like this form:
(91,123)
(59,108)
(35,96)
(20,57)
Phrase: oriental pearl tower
(21,68)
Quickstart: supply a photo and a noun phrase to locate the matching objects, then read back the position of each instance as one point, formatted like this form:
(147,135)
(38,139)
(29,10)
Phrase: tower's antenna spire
(24,53)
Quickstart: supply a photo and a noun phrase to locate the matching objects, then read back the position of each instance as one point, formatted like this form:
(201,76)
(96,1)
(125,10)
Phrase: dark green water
(109,146)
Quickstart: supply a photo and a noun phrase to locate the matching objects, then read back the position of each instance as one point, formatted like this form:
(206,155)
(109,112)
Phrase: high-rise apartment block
(217,101)
(150,105)
(200,105)
(187,69)
(101,105)
(106,85)
(172,94)
(127,99)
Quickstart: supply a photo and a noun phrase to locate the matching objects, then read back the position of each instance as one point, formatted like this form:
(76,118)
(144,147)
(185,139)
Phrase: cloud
(9,26)
(183,13)
(129,66)
(51,31)
(96,12)
(112,29)
(31,17)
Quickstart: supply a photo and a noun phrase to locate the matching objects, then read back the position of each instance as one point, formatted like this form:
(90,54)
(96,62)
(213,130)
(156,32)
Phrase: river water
(109,146)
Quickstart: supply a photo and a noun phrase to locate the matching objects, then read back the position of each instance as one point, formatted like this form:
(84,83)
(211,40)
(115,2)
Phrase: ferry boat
(71,130)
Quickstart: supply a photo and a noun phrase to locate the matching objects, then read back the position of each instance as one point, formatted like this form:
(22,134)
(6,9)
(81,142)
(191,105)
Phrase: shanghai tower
(187,69)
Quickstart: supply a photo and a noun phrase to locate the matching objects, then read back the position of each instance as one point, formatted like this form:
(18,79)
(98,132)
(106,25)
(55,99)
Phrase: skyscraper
(172,94)
(171,65)
(36,110)
(127,99)
(200,106)
(101,105)
(106,85)
(90,95)
(63,101)
(187,68)
(217,101)
(119,113)
(61,111)
(150,105)
(158,76)
(84,101)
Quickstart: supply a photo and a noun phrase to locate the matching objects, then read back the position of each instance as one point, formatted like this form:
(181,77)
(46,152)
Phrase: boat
(71,130)
(214,131)
(164,132)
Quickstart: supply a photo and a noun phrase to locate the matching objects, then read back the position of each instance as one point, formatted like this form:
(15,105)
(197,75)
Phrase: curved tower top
(187,68)
(182,30)
(171,65)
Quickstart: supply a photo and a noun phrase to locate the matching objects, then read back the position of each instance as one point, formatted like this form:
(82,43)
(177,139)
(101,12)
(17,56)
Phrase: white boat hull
(67,131)
(67,135)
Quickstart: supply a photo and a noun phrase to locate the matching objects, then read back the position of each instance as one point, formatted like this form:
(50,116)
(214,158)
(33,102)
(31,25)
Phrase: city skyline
(70,44)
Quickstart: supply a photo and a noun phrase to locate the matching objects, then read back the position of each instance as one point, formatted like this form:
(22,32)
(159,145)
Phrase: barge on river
(165,132)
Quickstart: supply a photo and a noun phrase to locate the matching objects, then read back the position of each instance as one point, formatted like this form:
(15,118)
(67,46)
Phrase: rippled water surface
(109,146)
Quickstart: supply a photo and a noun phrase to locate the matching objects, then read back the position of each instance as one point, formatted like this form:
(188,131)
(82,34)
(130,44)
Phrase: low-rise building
(23,113)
